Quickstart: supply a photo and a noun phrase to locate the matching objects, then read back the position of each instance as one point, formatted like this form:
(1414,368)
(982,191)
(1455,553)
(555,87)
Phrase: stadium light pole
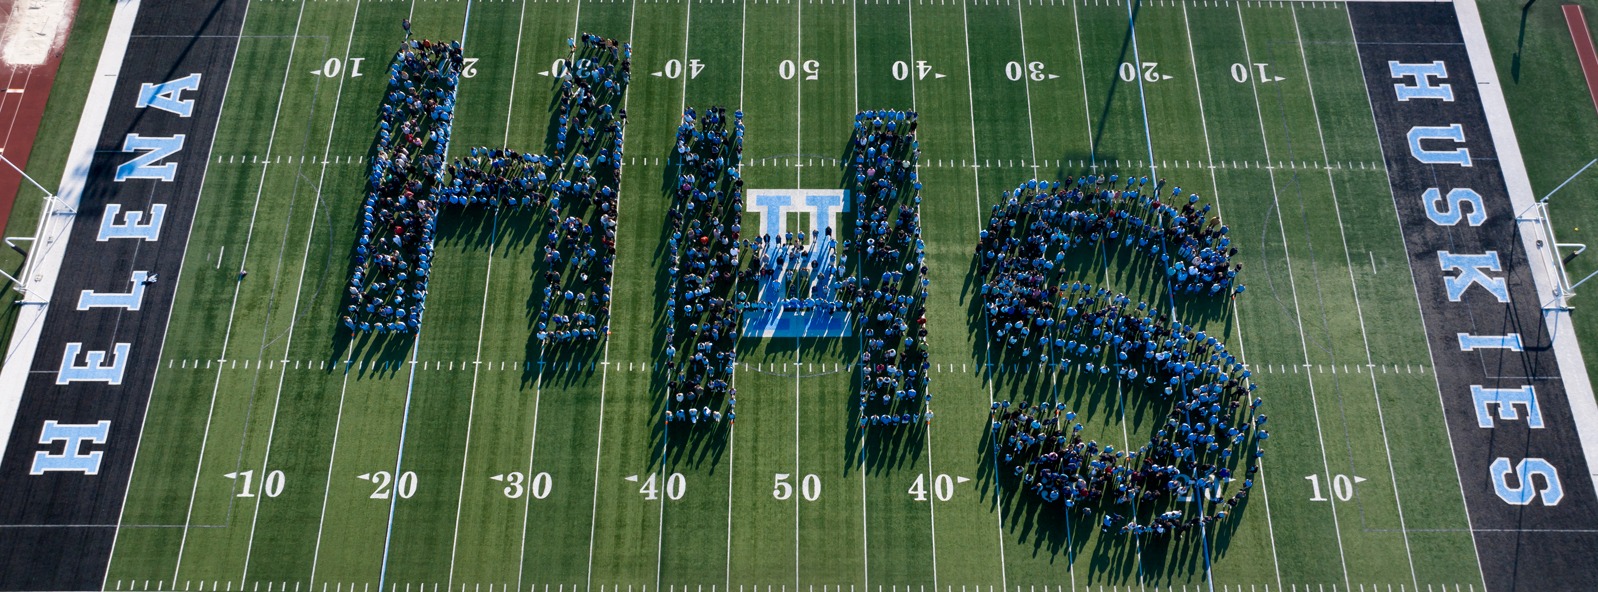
(47,194)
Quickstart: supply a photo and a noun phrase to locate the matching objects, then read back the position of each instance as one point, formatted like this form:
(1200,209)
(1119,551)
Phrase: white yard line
(604,372)
(976,181)
(732,428)
(1087,110)
(1292,283)
(298,290)
(1215,196)
(798,176)
(471,405)
(932,510)
(532,445)
(1026,84)
(238,286)
(327,487)
(1148,139)
(482,322)
(1364,334)
(410,384)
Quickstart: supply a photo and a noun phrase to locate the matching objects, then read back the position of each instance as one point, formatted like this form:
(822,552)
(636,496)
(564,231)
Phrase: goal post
(1553,260)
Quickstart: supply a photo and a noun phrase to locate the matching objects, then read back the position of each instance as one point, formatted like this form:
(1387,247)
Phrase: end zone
(1521,418)
(80,372)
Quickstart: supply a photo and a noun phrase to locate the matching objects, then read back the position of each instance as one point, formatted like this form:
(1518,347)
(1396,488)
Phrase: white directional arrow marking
(498,477)
(938,75)
(1358,479)
(1165,77)
(231,475)
(316,72)
(655,74)
(364,476)
(544,73)
(961,479)
(633,478)
(1053,76)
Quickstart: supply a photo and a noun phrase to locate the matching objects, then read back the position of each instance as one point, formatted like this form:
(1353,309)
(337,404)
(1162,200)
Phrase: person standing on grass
(405,23)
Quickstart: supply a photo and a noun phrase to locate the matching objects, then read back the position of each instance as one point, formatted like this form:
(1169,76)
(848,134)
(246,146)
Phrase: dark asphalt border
(57,529)
(1520,547)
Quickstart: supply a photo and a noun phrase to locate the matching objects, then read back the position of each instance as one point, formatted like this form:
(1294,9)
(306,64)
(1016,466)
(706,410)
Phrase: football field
(280,454)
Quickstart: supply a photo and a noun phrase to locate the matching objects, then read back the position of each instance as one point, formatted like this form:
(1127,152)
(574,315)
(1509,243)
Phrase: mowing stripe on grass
(976,182)
(1358,310)
(1293,286)
(1215,195)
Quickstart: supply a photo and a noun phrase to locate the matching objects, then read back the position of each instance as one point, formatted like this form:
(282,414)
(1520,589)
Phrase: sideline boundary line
(56,223)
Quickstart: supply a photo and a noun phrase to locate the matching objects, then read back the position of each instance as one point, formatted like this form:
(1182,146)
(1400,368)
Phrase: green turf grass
(589,427)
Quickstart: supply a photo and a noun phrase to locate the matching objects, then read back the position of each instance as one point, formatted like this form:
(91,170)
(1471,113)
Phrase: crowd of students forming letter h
(1206,448)
(717,276)
(573,187)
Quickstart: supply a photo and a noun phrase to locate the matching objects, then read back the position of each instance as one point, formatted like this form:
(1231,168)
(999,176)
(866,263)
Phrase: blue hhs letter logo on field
(797,299)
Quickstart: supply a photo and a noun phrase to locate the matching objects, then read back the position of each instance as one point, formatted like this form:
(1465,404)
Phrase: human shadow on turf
(683,442)
(1046,526)
(1066,539)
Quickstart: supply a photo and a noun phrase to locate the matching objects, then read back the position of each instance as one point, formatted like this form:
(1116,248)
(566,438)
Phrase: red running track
(27,88)
(1584,51)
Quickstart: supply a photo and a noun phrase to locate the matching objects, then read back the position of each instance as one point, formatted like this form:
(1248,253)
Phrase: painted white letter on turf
(1471,272)
(93,369)
(1454,132)
(166,96)
(143,166)
(1456,199)
(1506,400)
(128,300)
(1468,342)
(1422,73)
(72,459)
(130,226)
(1527,491)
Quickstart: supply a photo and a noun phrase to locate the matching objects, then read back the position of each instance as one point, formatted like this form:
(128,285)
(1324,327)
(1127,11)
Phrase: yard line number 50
(809,487)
